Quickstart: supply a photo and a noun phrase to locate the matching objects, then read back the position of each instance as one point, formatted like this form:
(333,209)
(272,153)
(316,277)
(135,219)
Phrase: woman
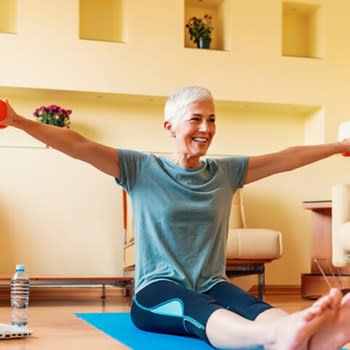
(181,208)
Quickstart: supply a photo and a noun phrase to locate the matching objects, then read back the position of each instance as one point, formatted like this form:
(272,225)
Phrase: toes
(322,303)
(309,315)
(346,300)
(332,300)
(337,297)
(328,303)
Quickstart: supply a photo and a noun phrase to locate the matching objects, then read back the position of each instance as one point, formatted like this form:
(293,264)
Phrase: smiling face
(193,132)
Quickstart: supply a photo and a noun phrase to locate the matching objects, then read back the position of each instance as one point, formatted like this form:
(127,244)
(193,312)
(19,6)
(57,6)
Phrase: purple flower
(54,115)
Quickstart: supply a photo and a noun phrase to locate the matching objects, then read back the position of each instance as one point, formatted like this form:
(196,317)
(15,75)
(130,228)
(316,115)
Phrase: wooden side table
(314,284)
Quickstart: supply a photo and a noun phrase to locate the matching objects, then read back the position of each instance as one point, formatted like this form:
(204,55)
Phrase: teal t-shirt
(180,217)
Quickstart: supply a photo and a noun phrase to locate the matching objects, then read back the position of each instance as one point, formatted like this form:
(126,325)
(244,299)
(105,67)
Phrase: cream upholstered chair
(341,225)
(249,249)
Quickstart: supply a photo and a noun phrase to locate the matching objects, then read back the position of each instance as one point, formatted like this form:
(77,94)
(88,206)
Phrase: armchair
(341,225)
(249,249)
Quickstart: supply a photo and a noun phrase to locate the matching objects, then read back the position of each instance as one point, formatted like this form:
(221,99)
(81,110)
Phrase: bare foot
(294,331)
(336,333)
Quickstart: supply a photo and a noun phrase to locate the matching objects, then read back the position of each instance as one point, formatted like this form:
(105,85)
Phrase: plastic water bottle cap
(20,267)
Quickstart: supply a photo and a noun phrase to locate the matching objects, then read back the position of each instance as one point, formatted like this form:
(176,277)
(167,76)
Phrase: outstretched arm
(69,142)
(291,158)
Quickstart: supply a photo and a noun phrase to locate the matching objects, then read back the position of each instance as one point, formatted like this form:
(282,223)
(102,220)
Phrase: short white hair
(176,105)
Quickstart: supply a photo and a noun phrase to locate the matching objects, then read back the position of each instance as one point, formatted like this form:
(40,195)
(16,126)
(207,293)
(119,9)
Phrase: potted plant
(53,115)
(200,31)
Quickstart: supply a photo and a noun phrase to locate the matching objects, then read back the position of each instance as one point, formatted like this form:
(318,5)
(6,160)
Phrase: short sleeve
(131,163)
(236,169)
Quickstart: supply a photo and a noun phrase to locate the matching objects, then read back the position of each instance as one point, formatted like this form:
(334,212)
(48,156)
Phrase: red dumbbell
(3,113)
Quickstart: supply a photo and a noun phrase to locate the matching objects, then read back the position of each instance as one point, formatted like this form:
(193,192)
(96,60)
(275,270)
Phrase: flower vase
(203,43)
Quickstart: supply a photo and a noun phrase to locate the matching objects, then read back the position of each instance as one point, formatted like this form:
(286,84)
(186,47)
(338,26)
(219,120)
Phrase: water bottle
(19,297)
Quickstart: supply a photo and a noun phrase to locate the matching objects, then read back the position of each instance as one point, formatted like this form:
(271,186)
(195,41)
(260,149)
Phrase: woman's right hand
(10,114)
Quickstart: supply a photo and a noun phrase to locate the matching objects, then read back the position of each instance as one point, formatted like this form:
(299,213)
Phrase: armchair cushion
(254,243)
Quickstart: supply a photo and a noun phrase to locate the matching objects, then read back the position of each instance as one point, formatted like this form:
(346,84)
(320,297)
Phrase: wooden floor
(55,326)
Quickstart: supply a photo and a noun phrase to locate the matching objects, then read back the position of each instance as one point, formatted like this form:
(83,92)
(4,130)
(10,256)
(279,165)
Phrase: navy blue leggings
(168,307)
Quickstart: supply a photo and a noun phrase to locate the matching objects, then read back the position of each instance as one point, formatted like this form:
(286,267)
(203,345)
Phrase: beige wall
(58,216)
(118,91)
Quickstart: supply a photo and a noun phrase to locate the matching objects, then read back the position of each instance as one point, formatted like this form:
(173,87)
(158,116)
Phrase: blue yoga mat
(120,327)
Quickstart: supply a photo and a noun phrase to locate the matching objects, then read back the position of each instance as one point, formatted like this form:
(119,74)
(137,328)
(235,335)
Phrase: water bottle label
(19,297)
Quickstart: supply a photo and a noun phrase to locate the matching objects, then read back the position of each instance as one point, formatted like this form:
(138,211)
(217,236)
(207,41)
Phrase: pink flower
(53,115)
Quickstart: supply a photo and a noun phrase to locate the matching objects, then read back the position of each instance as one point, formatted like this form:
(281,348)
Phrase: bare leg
(273,328)
(336,333)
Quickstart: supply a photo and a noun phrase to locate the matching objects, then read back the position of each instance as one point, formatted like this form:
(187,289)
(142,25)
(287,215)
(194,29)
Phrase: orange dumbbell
(3,113)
